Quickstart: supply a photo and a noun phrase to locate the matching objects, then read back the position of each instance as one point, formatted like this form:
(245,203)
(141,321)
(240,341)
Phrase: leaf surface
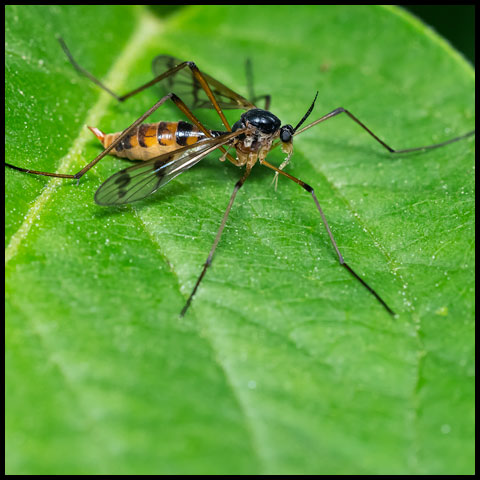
(284,363)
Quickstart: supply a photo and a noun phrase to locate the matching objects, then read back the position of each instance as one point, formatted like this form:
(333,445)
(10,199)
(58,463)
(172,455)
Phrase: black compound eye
(286,133)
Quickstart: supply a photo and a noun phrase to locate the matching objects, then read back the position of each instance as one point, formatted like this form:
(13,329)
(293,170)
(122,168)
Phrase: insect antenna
(309,111)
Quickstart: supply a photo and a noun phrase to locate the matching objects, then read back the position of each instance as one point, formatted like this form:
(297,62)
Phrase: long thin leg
(217,239)
(178,102)
(251,92)
(87,167)
(249,78)
(391,150)
(309,189)
(84,72)
(175,99)
(171,96)
(281,167)
(196,72)
(188,113)
(267,98)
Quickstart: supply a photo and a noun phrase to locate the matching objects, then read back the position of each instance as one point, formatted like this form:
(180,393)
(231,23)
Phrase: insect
(167,149)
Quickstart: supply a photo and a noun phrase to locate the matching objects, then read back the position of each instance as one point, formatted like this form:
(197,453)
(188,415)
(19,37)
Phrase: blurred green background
(456,23)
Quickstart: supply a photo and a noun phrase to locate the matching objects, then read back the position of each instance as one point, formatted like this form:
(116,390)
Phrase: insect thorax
(263,127)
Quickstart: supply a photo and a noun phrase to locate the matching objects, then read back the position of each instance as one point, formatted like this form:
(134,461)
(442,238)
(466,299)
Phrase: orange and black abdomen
(150,140)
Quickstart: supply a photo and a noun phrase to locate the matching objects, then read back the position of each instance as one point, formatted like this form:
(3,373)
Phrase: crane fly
(167,149)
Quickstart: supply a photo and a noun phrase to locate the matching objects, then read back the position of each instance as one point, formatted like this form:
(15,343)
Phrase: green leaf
(284,364)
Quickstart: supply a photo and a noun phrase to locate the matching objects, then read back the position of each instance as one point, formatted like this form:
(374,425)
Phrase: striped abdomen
(150,140)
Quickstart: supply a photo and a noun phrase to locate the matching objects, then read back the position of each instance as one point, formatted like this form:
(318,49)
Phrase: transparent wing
(186,86)
(137,182)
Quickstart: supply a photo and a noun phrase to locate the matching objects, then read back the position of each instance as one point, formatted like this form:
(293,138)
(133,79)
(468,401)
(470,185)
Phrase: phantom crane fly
(167,149)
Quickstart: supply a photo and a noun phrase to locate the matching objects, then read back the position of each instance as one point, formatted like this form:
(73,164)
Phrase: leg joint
(239,184)
(307,187)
